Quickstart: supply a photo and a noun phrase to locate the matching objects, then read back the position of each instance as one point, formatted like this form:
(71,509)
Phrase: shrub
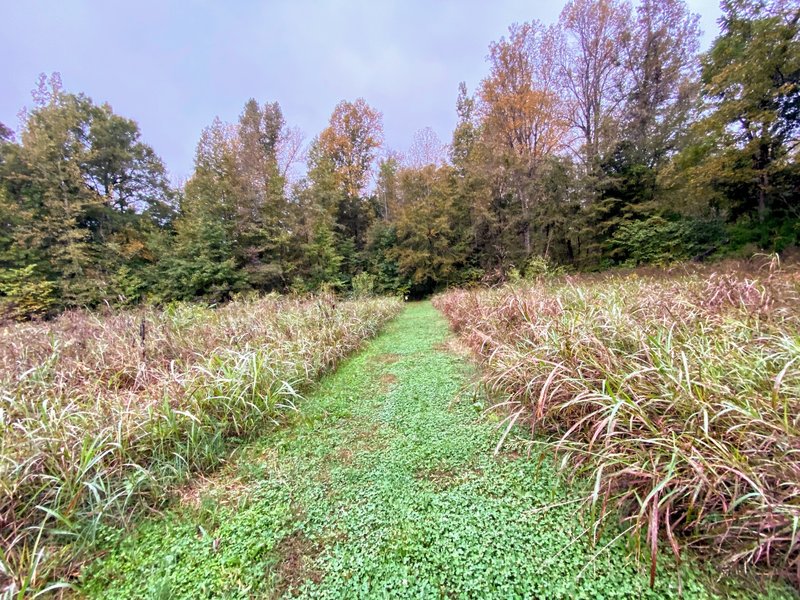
(542,266)
(660,241)
(24,296)
(363,285)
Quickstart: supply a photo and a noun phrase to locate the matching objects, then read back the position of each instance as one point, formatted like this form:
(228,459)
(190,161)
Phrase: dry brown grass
(676,394)
(101,413)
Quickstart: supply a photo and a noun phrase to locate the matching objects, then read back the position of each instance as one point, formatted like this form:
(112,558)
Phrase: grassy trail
(385,487)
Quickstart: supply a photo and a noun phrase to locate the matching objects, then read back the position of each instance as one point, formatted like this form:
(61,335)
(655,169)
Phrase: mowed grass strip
(383,487)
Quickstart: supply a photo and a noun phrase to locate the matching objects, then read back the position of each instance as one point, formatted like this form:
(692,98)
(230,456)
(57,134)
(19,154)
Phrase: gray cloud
(173,66)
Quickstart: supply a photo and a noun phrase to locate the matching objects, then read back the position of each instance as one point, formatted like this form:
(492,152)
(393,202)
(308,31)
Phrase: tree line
(604,139)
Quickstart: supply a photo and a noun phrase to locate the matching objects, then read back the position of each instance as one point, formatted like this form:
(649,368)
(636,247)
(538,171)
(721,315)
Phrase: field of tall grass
(101,414)
(675,394)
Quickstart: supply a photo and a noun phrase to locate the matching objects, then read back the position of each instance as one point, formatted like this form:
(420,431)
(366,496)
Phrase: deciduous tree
(751,89)
(659,53)
(592,73)
(350,141)
(520,109)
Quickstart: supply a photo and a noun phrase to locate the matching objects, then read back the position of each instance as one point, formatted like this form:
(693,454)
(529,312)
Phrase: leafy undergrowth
(384,486)
(101,414)
(676,394)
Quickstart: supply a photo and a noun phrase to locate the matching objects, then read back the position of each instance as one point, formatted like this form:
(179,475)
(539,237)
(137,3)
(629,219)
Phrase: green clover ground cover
(384,486)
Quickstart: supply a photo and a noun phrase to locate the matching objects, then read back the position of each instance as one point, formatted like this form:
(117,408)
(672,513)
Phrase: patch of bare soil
(388,359)
(387,379)
(225,486)
(296,563)
(345,455)
(455,345)
(364,441)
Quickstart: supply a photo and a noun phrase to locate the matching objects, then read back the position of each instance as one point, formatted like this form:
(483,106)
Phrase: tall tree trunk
(763,181)
(526,231)
(549,236)
(762,196)
(527,238)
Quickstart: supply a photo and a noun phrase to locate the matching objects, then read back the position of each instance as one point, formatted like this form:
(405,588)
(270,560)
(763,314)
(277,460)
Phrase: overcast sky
(175,65)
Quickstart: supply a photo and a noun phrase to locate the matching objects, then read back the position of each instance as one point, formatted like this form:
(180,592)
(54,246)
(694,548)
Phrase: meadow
(102,414)
(386,487)
(659,410)
(672,396)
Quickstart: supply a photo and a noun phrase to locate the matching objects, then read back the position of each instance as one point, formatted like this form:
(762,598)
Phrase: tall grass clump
(99,414)
(676,394)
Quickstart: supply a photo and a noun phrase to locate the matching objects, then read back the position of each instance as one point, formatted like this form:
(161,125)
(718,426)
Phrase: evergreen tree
(263,216)
(202,261)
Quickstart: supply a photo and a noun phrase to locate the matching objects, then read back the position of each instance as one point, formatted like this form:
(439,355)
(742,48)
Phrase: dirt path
(384,486)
